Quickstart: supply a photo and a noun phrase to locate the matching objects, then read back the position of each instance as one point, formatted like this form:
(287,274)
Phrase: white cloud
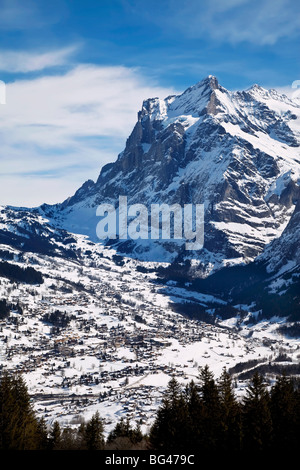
(61,129)
(259,22)
(29,14)
(290,91)
(24,61)
(262,22)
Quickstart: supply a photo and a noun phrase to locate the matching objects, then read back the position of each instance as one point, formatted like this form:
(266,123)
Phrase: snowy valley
(95,326)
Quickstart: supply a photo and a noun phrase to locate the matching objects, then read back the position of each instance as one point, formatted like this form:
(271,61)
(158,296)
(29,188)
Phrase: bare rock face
(235,152)
(283,253)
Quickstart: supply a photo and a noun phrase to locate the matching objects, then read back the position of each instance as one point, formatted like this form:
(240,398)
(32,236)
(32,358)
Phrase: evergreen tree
(210,411)
(18,424)
(257,422)
(81,436)
(27,422)
(68,440)
(284,415)
(230,414)
(55,436)
(93,433)
(124,436)
(169,430)
(42,435)
(194,410)
(124,429)
(4,309)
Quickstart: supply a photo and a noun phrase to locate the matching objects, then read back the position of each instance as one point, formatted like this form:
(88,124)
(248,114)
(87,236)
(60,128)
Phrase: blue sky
(76,73)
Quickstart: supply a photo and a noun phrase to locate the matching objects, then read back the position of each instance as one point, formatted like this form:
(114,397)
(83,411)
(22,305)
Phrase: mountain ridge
(237,153)
(104,325)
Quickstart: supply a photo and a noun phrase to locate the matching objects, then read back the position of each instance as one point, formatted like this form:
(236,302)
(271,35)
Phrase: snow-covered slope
(235,152)
(100,334)
(104,332)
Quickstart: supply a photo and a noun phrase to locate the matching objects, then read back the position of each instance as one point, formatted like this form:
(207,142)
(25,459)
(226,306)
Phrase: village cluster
(90,339)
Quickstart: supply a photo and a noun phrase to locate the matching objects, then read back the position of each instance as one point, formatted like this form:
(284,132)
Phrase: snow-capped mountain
(110,323)
(235,152)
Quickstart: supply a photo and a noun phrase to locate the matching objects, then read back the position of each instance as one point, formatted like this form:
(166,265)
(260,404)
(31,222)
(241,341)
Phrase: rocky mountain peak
(235,152)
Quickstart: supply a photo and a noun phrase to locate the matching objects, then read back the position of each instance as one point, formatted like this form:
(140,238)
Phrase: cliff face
(235,152)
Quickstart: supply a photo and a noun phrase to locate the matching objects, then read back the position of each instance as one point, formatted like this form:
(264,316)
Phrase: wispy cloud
(24,61)
(63,128)
(261,22)
(258,22)
(21,15)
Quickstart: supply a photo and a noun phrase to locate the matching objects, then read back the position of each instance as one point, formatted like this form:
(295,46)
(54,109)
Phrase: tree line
(6,307)
(16,273)
(206,415)
(203,416)
(21,429)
